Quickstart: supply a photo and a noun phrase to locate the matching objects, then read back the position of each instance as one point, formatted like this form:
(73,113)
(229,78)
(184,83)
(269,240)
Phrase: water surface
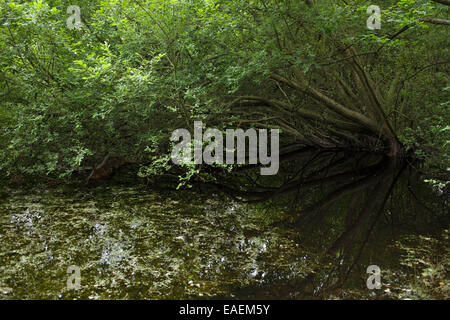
(310,232)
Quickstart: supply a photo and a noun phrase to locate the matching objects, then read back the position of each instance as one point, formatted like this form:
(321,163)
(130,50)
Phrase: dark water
(309,232)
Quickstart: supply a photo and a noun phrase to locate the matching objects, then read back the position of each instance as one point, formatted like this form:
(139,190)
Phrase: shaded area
(310,232)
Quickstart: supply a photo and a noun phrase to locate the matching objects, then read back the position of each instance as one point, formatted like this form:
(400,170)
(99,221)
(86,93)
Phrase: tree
(74,99)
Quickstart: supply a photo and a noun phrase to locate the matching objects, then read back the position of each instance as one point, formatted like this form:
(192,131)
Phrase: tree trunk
(395,148)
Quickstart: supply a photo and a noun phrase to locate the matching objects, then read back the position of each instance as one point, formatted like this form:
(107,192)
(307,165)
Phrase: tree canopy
(135,70)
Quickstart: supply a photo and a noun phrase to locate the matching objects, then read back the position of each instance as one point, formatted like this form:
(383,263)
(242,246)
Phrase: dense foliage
(138,69)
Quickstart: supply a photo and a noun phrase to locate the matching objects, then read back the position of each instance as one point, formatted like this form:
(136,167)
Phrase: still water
(309,233)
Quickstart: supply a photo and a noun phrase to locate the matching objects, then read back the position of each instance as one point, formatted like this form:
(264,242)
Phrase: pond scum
(133,243)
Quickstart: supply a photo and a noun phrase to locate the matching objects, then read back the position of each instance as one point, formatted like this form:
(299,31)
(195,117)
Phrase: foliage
(136,70)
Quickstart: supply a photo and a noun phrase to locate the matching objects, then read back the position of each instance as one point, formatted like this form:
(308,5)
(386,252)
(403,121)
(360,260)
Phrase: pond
(308,233)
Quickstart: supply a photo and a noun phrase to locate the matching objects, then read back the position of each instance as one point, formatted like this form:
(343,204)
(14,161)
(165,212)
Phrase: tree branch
(437,21)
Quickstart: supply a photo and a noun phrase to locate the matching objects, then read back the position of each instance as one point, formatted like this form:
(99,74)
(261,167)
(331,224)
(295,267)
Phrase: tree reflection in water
(308,232)
(346,208)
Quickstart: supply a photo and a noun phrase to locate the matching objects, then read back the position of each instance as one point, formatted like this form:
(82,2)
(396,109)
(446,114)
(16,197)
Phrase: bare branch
(437,21)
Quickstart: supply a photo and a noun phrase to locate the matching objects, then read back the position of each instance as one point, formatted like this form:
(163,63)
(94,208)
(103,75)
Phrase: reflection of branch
(310,212)
(370,206)
(415,197)
(366,240)
(313,179)
(291,155)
